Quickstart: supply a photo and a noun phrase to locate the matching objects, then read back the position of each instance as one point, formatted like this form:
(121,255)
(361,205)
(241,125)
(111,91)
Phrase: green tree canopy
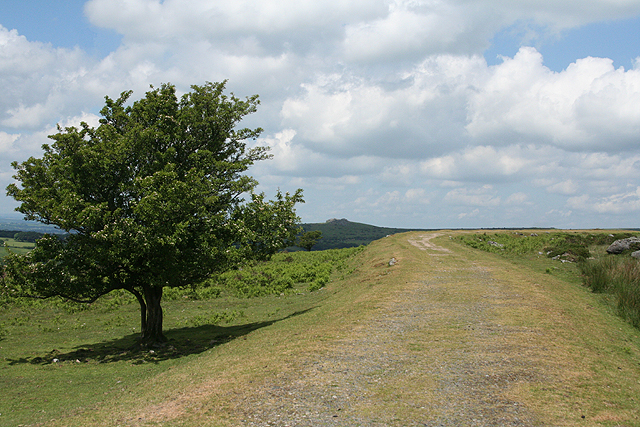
(153,197)
(309,239)
(27,236)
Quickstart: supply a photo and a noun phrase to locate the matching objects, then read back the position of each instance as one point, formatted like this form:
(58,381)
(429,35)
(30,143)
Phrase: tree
(152,198)
(309,239)
(27,236)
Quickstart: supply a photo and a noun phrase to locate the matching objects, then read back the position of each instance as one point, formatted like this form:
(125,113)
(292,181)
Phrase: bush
(571,251)
(574,246)
(286,272)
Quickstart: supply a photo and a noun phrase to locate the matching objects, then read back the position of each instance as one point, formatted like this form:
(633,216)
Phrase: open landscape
(422,328)
(169,169)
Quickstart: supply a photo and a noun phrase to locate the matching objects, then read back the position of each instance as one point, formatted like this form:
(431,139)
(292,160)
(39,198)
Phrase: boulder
(622,245)
(636,254)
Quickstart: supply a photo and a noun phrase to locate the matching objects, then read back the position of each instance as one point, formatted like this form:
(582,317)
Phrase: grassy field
(222,348)
(14,246)
(60,359)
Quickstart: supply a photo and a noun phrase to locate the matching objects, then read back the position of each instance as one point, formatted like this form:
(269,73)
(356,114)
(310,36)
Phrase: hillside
(342,233)
(17,224)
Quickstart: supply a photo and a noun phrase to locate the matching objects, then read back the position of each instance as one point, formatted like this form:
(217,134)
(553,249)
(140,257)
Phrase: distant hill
(342,233)
(18,224)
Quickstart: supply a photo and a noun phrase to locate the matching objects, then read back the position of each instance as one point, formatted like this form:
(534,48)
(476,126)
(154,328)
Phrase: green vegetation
(13,245)
(615,275)
(309,239)
(225,351)
(562,245)
(618,275)
(27,236)
(283,274)
(152,198)
(51,346)
(8,233)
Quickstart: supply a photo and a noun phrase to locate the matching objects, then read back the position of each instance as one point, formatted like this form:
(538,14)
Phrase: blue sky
(616,39)
(403,113)
(61,23)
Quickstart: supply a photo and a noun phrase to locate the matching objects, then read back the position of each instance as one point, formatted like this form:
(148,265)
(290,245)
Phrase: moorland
(464,325)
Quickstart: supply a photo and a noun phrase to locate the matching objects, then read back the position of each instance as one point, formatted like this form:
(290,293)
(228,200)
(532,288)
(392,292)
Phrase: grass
(49,348)
(562,245)
(14,246)
(596,353)
(223,349)
(619,276)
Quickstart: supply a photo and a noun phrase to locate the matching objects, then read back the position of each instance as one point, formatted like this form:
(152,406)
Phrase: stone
(622,245)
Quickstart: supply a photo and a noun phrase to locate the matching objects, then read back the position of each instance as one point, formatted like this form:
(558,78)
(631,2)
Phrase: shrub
(572,251)
(286,272)
(575,246)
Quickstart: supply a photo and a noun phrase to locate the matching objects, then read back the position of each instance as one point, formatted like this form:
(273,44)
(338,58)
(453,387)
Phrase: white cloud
(484,196)
(621,203)
(590,105)
(484,162)
(7,140)
(28,117)
(381,108)
(417,195)
(564,187)
(519,198)
(408,26)
(411,29)
(414,112)
(471,214)
(37,80)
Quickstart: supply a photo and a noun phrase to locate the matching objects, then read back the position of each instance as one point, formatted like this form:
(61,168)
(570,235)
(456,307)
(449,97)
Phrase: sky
(397,113)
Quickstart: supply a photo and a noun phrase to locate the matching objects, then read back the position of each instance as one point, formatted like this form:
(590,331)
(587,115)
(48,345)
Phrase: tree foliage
(152,198)
(27,236)
(309,239)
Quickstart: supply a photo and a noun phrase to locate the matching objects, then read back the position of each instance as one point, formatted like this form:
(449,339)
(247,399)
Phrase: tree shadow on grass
(181,342)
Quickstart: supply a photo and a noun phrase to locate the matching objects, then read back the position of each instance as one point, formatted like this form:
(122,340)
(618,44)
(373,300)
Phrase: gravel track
(433,355)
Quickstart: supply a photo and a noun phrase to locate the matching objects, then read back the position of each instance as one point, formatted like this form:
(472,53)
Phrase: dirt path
(445,336)
(423,242)
(438,353)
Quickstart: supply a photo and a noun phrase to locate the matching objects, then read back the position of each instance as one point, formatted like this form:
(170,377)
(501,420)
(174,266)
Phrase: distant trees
(152,198)
(8,233)
(27,236)
(309,239)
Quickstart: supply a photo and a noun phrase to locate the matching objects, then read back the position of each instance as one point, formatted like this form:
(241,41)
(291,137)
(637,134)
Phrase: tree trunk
(151,316)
